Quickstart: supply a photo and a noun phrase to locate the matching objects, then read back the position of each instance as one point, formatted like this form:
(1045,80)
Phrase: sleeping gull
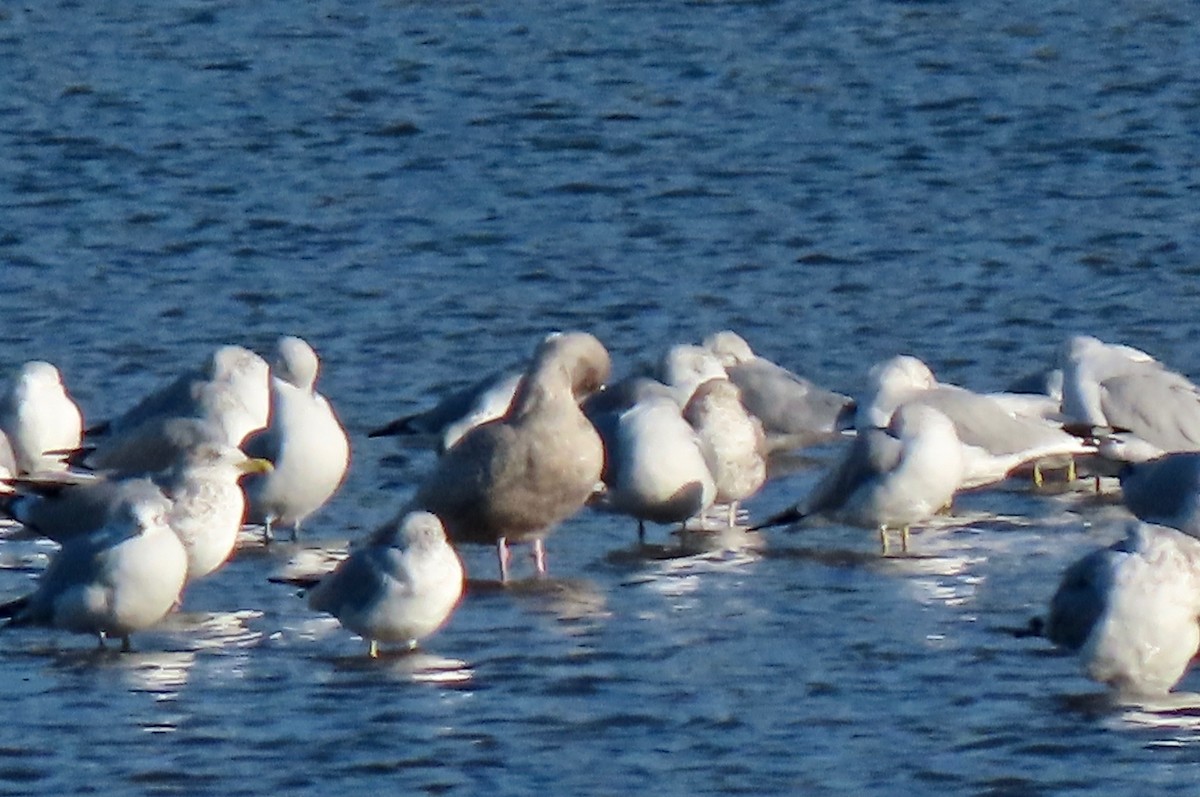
(654,466)
(889,478)
(122,578)
(995,441)
(206,504)
(732,441)
(229,392)
(303,439)
(1129,611)
(1119,387)
(513,479)
(794,411)
(400,588)
(40,418)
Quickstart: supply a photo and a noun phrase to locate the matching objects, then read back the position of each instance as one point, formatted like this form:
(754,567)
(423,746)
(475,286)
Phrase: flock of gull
(145,503)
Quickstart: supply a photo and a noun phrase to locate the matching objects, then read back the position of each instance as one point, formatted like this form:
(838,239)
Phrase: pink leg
(502,555)
(539,557)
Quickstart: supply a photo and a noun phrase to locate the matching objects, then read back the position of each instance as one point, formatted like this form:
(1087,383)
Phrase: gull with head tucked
(794,411)
(1130,610)
(303,439)
(514,478)
(654,465)
(121,578)
(1119,387)
(401,587)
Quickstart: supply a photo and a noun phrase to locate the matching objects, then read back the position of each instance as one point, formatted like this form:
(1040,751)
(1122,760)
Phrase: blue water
(422,190)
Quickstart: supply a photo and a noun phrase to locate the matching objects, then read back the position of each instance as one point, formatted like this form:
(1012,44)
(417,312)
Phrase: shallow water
(422,191)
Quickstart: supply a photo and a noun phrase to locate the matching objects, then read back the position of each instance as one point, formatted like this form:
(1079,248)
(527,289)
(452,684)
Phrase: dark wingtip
(304,583)
(400,426)
(784,518)
(1035,628)
(98,430)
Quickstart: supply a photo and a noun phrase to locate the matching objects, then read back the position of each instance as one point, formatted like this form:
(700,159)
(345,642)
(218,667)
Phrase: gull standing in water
(513,479)
(654,465)
(401,587)
(889,478)
(994,440)
(221,401)
(122,578)
(732,440)
(40,419)
(206,503)
(1130,610)
(794,411)
(1119,387)
(303,439)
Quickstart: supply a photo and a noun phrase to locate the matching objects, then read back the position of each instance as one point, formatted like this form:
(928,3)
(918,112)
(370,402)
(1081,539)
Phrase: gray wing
(1079,601)
(451,408)
(872,453)
(1164,490)
(1159,406)
(784,402)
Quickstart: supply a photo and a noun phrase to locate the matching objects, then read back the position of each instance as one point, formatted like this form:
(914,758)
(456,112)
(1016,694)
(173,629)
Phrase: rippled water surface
(424,189)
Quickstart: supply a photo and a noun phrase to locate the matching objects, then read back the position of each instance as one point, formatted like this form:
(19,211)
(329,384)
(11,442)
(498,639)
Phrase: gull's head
(581,355)
(296,362)
(730,347)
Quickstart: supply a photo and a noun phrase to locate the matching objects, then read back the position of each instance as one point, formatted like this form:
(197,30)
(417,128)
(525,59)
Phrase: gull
(1130,610)
(8,464)
(732,441)
(1119,387)
(514,478)
(303,439)
(994,439)
(206,503)
(400,588)
(654,464)
(889,478)
(1156,486)
(794,411)
(121,578)
(228,394)
(40,419)
(684,367)
(458,413)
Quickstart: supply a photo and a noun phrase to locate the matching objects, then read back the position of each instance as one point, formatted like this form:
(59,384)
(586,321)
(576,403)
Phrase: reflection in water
(213,630)
(417,666)
(579,604)
(161,673)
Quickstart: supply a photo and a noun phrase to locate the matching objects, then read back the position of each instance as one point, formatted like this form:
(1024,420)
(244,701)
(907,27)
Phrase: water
(422,191)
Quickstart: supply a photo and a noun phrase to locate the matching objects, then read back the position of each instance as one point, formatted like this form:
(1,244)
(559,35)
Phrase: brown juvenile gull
(513,479)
